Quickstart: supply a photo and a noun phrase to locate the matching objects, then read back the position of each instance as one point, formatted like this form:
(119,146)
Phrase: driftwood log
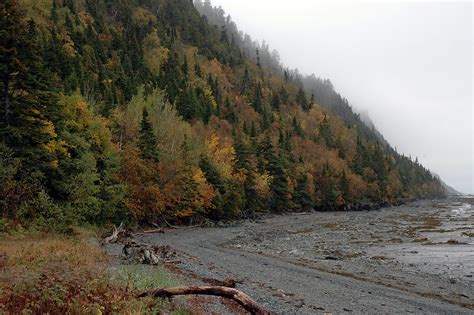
(147,254)
(115,235)
(243,299)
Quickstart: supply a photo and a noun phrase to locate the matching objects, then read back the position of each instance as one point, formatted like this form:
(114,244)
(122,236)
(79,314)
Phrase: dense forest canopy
(153,110)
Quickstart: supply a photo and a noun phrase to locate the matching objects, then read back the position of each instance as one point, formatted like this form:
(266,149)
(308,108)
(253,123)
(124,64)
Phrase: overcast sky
(408,64)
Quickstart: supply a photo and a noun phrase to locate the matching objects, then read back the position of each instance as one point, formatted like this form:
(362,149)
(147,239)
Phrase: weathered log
(147,254)
(115,234)
(243,299)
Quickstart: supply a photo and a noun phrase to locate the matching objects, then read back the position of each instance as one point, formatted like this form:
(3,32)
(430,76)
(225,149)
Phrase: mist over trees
(148,111)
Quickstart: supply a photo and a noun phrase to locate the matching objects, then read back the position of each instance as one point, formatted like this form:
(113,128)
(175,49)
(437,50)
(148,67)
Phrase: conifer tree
(328,188)
(360,158)
(188,104)
(344,185)
(284,96)
(147,139)
(188,188)
(272,163)
(253,130)
(258,99)
(280,201)
(170,77)
(28,101)
(185,69)
(211,173)
(302,196)
(252,200)
(297,129)
(231,114)
(245,81)
(325,133)
(302,101)
(276,102)
(259,65)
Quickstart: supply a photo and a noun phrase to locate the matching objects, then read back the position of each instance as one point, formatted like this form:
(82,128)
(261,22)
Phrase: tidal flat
(415,258)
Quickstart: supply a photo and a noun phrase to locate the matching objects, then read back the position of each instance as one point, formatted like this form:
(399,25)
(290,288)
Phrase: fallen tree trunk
(243,299)
(115,235)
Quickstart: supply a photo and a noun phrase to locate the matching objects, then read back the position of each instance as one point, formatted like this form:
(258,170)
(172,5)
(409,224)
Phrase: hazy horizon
(409,65)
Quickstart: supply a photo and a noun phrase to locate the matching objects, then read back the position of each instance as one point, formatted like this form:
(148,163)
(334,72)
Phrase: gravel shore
(416,258)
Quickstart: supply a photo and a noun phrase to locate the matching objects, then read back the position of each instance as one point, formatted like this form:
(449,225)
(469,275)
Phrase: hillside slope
(143,110)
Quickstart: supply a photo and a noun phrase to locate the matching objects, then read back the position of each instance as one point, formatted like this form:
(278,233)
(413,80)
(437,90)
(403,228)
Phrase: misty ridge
(397,72)
(321,90)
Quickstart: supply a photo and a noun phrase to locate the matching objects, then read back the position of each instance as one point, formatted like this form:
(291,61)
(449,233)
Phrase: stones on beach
(332,258)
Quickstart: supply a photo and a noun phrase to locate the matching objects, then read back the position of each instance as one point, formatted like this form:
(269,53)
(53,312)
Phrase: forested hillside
(144,111)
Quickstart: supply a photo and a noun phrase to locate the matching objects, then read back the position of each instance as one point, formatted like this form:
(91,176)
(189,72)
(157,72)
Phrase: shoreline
(281,259)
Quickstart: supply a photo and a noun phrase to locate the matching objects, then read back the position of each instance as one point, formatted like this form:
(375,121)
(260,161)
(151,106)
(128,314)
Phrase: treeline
(142,110)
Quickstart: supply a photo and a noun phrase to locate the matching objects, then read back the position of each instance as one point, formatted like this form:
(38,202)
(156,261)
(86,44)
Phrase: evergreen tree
(188,104)
(344,184)
(188,188)
(147,139)
(360,159)
(297,129)
(258,99)
(266,119)
(273,164)
(325,133)
(211,173)
(231,115)
(244,164)
(302,101)
(253,130)
(185,69)
(259,65)
(280,201)
(276,102)
(28,102)
(197,70)
(284,96)
(170,77)
(302,196)
(327,188)
(378,165)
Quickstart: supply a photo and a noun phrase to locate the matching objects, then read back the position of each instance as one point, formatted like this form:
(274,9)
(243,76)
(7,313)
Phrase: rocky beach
(416,258)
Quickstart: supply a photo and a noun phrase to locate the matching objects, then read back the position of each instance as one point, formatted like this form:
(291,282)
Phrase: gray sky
(408,64)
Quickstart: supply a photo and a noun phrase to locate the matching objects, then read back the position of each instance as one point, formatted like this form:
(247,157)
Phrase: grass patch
(142,277)
(47,273)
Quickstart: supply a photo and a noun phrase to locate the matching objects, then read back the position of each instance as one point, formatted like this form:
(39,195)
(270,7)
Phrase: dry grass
(36,251)
(331,226)
(63,275)
(426,224)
